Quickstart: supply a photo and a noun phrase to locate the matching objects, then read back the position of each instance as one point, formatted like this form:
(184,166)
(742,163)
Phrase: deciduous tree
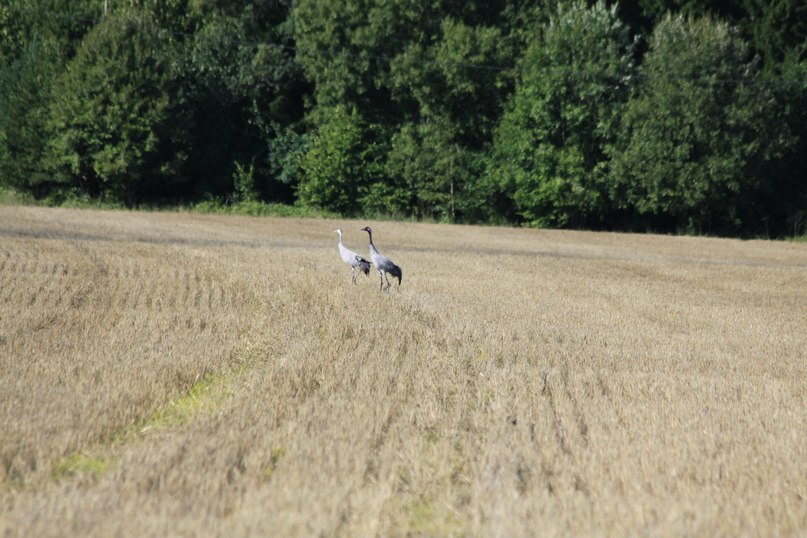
(549,152)
(700,133)
(116,114)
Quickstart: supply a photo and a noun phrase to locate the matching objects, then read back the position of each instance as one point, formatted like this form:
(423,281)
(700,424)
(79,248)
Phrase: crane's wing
(363,264)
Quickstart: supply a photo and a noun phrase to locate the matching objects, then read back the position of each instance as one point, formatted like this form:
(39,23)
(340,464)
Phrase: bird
(352,259)
(382,263)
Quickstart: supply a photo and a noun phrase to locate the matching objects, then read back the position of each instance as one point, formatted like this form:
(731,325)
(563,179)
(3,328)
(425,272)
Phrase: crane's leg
(386,276)
(353,274)
(381,276)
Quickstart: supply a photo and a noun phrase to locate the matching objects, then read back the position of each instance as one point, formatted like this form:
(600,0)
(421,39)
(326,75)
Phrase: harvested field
(173,374)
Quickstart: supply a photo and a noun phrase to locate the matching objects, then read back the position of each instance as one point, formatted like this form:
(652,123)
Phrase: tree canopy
(671,116)
(550,149)
(702,136)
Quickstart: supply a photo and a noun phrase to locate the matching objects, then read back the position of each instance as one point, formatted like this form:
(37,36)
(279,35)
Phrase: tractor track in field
(571,433)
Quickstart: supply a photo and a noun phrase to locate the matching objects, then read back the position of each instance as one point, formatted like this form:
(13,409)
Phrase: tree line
(649,115)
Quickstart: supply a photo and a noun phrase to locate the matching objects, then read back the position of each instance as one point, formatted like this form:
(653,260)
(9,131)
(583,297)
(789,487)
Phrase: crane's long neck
(372,246)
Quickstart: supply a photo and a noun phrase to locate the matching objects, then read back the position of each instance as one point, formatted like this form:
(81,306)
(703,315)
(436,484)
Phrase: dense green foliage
(550,148)
(663,115)
(702,138)
(113,114)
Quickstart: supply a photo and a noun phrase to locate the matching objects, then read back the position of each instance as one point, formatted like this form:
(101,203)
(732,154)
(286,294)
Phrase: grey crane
(382,263)
(352,259)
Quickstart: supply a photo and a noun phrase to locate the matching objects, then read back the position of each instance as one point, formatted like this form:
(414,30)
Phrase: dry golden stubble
(572,382)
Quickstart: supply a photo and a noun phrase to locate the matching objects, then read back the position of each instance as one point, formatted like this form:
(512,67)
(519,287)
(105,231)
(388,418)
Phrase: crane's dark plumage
(352,259)
(383,264)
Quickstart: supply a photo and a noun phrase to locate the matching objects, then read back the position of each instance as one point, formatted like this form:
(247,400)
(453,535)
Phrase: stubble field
(173,374)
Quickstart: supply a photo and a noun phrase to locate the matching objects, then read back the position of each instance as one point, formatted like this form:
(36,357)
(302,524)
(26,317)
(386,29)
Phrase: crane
(382,263)
(352,259)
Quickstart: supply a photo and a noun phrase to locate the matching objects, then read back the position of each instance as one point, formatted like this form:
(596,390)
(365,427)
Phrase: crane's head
(367,229)
(338,231)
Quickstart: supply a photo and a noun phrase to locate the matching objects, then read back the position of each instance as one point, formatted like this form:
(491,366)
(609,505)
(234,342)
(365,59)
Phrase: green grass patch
(427,519)
(81,464)
(277,453)
(254,208)
(12,197)
(205,397)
